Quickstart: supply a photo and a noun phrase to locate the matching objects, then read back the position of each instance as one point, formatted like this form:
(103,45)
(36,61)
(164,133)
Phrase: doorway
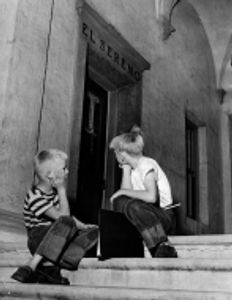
(107,101)
(91,174)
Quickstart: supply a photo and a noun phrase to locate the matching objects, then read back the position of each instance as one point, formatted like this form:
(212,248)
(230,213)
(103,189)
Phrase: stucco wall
(38,59)
(216,18)
(8,11)
(60,77)
(22,97)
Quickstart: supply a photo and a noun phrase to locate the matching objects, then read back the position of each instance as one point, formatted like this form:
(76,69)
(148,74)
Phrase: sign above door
(108,50)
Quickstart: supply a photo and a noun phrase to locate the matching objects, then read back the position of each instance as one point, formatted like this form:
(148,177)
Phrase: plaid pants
(153,223)
(62,243)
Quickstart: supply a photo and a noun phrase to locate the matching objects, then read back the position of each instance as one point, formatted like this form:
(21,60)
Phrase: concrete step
(202,271)
(202,239)
(175,274)
(14,291)
(203,246)
(191,276)
(205,251)
(160,273)
(204,259)
(13,238)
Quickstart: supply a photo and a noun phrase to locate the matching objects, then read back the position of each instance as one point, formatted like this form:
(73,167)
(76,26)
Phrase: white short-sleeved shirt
(146,165)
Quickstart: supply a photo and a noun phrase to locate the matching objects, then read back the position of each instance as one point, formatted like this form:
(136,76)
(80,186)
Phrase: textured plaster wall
(8,11)
(24,68)
(216,18)
(60,77)
(38,60)
(37,71)
(182,77)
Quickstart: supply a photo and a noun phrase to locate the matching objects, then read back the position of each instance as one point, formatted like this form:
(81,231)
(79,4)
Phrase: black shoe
(25,274)
(165,250)
(153,251)
(102,258)
(51,275)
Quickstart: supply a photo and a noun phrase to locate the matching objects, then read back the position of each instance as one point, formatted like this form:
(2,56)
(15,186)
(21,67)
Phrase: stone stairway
(202,271)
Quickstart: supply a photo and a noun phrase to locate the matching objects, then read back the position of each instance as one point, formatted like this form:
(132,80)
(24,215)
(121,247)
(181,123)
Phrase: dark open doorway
(107,102)
(91,181)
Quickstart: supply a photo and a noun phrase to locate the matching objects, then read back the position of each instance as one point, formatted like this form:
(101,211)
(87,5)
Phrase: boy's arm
(63,209)
(82,226)
(64,205)
(55,212)
(126,177)
(148,195)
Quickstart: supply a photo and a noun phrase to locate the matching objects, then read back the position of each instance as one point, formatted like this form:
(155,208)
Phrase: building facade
(76,73)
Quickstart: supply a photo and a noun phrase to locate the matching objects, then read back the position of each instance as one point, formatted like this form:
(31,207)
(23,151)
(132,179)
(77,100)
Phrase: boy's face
(120,156)
(53,169)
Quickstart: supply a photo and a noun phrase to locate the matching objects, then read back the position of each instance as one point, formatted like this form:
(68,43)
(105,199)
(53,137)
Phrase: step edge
(149,264)
(64,290)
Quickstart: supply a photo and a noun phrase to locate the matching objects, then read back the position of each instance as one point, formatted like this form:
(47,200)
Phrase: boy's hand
(89,226)
(86,226)
(125,167)
(59,178)
(82,226)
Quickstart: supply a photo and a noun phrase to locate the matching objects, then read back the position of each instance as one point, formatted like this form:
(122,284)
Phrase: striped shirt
(36,203)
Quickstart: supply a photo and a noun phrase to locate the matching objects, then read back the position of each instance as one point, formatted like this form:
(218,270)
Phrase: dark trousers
(153,223)
(62,243)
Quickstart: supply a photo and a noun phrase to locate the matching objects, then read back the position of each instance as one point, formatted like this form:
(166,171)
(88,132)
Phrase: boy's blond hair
(130,142)
(44,157)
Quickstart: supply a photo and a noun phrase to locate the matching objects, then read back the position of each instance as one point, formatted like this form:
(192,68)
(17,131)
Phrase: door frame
(121,75)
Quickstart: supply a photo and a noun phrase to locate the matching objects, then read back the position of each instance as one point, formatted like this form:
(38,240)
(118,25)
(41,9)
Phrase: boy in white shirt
(145,193)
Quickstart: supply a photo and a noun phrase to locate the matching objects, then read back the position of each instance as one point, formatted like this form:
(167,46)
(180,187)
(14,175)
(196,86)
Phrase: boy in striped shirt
(55,239)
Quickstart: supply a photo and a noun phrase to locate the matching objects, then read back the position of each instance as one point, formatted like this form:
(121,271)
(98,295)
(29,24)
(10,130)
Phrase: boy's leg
(56,238)
(65,245)
(35,237)
(27,272)
(46,271)
(152,222)
(81,242)
(35,272)
(46,242)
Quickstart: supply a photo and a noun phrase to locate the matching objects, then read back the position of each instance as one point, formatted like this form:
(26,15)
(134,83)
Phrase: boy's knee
(67,220)
(134,207)
(119,203)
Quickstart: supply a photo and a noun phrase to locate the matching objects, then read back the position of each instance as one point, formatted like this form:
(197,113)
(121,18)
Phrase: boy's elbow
(64,213)
(57,216)
(151,198)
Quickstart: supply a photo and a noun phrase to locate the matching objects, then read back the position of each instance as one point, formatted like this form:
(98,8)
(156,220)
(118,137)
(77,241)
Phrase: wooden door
(91,181)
